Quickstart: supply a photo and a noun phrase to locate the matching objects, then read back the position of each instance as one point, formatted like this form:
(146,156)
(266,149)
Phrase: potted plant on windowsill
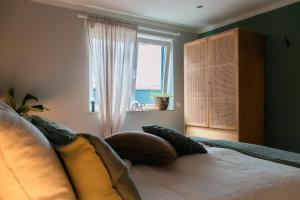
(161,100)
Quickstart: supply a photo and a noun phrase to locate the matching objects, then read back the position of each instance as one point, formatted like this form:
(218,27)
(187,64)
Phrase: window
(153,69)
(148,71)
(153,72)
(93,98)
(149,61)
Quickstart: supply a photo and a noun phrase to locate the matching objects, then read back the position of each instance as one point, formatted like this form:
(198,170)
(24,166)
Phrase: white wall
(43,51)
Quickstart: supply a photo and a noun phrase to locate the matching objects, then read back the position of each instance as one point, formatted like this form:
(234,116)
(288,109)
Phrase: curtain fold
(112,55)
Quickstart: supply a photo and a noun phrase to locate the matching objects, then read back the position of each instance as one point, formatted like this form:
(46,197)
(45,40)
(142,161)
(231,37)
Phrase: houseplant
(23,109)
(161,100)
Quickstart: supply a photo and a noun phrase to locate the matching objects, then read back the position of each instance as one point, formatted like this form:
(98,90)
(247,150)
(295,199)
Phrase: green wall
(282,73)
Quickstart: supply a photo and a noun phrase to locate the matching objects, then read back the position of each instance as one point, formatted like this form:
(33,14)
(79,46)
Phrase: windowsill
(146,108)
(133,111)
(150,110)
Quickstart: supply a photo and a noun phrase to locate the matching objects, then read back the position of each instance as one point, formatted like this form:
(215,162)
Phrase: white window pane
(149,67)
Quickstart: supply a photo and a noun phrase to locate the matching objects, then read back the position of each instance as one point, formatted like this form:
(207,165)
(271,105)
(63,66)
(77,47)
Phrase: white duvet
(221,174)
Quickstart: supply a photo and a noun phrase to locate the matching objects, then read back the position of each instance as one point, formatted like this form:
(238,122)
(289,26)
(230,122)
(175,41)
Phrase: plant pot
(161,103)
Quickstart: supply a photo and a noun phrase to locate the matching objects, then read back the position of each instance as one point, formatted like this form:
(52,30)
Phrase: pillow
(181,143)
(142,148)
(87,172)
(120,175)
(6,108)
(26,161)
(57,134)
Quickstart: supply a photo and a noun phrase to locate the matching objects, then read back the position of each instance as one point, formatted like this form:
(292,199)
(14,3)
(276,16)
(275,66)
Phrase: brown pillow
(142,148)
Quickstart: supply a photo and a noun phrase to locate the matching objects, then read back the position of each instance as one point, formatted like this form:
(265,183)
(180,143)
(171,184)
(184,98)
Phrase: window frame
(144,37)
(150,39)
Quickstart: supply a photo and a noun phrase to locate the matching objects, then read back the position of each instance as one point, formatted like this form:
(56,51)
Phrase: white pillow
(29,168)
(6,108)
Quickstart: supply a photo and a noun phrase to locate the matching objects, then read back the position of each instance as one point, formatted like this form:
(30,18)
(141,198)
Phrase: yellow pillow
(87,172)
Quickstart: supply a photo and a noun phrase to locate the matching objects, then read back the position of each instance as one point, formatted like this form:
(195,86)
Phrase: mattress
(221,174)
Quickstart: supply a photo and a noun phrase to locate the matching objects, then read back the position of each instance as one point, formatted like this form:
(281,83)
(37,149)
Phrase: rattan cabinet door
(222,63)
(195,78)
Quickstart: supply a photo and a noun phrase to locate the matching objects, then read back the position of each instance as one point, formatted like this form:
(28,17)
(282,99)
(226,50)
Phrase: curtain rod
(142,28)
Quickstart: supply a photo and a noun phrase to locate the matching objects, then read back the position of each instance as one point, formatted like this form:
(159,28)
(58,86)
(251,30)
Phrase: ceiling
(181,13)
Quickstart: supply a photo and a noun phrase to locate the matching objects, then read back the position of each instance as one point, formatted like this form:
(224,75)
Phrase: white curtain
(112,55)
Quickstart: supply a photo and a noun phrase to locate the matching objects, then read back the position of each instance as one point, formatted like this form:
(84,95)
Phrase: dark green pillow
(57,134)
(181,143)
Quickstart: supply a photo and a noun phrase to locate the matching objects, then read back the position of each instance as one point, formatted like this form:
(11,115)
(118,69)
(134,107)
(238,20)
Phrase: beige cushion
(6,108)
(29,168)
(142,148)
(121,177)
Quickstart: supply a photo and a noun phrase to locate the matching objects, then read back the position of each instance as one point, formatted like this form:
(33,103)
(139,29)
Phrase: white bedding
(221,174)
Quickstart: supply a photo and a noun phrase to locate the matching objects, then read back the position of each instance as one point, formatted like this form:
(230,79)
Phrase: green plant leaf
(159,94)
(10,98)
(23,109)
(39,108)
(11,92)
(29,97)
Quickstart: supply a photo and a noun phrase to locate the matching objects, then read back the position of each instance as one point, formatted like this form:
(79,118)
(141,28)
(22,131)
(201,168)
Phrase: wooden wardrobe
(224,87)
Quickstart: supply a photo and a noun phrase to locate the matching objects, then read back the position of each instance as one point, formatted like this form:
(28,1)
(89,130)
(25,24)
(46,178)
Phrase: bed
(225,172)
(221,174)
